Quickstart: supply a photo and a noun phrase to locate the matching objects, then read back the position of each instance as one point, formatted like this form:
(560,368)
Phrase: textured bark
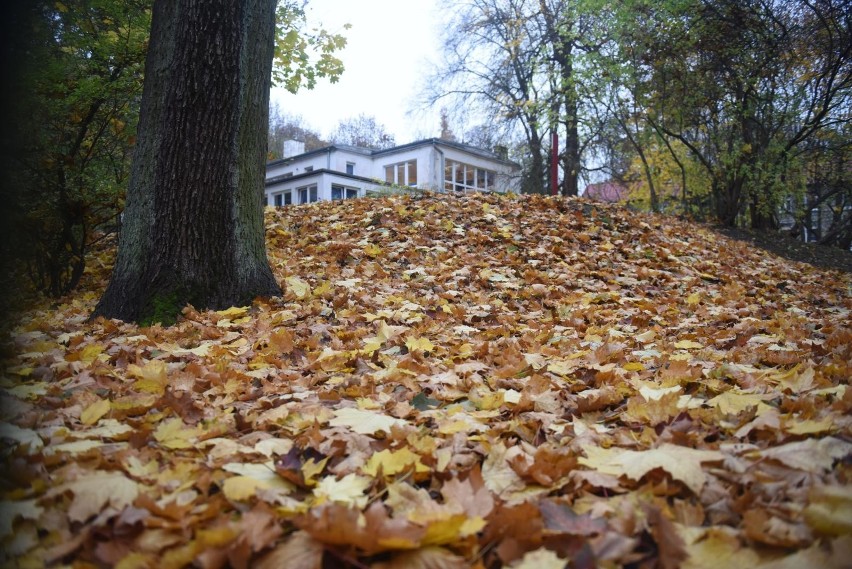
(193,225)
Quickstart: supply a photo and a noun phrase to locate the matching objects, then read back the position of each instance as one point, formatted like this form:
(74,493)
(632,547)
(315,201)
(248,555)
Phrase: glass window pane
(288,198)
(400,174)
(412,173)
(337,192)
(277,199)
(389,174)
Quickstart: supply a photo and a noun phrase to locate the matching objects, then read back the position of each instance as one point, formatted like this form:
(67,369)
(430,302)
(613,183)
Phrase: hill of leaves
(448,382)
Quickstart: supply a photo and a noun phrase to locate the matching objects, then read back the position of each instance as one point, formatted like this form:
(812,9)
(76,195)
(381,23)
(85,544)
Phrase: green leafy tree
(76,108)
(744,85)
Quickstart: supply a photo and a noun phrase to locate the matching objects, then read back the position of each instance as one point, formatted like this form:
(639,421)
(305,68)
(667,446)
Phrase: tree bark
(193,227)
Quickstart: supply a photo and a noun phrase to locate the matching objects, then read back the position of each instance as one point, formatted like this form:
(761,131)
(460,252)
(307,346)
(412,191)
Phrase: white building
(340,171)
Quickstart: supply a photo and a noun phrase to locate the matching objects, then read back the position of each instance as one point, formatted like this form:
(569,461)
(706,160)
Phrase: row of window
(458,177)
(461,177)
(402,174)
(309,194)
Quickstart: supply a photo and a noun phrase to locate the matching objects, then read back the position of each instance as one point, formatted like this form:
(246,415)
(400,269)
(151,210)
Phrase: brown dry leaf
(425,558)
(299,551)
(672,550)
(810,455)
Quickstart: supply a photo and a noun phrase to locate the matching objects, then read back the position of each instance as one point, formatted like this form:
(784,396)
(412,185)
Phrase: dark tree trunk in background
(193,226)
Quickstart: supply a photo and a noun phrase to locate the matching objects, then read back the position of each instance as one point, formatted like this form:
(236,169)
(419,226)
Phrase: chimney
(292,148)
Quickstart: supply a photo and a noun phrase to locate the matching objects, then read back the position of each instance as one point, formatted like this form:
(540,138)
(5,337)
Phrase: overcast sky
(389,47)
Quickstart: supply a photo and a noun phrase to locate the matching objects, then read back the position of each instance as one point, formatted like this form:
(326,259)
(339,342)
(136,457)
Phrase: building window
(350,167)
(283,198)
(343,193)
(309,168)
(402,174)
(460,177)
(307,194)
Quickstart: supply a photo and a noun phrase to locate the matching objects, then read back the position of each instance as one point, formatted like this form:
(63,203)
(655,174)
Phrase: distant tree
(193,228)
(744,85)
(522,63)
(289,127)
(446,130)
(363,131)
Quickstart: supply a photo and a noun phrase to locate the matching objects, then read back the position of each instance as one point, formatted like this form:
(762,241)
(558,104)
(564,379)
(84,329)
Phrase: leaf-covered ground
(448,382)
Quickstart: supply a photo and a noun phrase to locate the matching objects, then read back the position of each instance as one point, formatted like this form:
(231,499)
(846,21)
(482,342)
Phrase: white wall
(430,169)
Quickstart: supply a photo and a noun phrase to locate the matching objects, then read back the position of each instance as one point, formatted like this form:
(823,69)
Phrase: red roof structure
(609,191)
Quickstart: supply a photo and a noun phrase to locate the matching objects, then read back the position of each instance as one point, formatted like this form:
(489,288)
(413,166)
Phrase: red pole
(554,163)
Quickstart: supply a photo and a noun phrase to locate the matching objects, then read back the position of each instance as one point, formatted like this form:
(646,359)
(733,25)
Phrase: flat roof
(373,152)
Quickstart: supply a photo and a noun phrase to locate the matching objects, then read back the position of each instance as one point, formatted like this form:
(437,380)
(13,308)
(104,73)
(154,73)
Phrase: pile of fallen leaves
(447,382)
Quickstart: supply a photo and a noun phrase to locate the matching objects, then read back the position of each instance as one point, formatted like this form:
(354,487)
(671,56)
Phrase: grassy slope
(483,380)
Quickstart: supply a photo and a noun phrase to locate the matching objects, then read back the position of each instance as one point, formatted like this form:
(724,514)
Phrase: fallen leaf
(94,491)
(93,413)
(365,422)
(682,463)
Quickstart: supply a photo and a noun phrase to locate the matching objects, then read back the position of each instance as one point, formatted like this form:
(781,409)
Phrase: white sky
(389,47)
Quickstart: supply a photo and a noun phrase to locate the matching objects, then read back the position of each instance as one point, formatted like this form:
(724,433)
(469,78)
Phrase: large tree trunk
(193,226)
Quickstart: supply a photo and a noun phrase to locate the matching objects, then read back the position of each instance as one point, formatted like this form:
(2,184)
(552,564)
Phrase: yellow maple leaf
(92,492)
(373,250)
(91,353)
(349,490)
(394,462)
(829,510)
(365,422)
(311,469)
(233,312)
(715,547)
(682,463)
(298,287)
(809,426)
(445,530)
(174,434)
(250,478)
(95,411)
(419,344)
(152,378)
(688,345)
(734,401)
